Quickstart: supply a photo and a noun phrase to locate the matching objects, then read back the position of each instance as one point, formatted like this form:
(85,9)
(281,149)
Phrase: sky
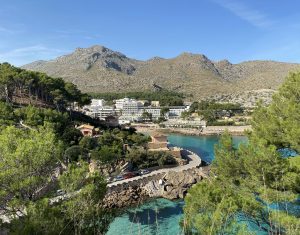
(237,30)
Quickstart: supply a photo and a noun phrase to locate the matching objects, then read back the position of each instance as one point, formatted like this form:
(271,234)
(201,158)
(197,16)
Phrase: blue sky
(238,30)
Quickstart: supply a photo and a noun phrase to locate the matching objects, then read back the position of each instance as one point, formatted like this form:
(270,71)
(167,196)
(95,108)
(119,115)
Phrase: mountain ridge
(100,69)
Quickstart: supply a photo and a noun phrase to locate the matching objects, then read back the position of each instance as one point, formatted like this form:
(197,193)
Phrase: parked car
(119,177)
(144,172)
(129,175)
(60,192)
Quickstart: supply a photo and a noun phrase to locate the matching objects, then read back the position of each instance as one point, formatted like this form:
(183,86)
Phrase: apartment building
(97,102)
(176,111)
(155,111)
(102,112)
(132,108)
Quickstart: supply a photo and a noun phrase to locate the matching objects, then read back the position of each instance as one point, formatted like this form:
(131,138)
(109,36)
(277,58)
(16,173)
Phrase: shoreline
(168,183)
(208,131)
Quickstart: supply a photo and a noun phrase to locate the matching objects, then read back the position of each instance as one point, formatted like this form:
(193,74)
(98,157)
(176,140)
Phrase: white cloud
(252,16)
(28,54)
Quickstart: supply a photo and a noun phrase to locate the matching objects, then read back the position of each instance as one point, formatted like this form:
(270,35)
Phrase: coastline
(169,183)
(208,131)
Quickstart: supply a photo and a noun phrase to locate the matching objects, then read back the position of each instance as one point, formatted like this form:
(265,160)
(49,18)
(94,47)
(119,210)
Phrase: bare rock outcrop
(172,185)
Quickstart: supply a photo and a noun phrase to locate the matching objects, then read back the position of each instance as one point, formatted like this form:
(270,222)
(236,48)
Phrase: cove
(162,216)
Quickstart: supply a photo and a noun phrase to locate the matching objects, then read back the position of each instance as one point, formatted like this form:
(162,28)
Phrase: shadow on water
(155,214)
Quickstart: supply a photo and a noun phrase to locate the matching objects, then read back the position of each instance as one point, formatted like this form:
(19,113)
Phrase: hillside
(99,69)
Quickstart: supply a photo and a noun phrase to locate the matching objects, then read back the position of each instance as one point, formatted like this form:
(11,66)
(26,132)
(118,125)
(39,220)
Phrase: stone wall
(171,185)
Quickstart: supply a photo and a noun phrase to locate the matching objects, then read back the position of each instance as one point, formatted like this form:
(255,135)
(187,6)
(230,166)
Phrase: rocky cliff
(172,185)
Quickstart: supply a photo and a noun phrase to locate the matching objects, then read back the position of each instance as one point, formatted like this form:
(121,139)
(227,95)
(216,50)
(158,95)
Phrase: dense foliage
(247,183)
(110,146)
(165,98)
(40,153)
(144,159)
(80,214)
(211,111)
(27,160)
(27,87)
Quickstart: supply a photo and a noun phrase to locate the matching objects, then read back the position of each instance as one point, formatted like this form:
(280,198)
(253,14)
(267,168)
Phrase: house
(88,130)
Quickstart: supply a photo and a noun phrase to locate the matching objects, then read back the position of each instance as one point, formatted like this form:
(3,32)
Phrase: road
(194,161)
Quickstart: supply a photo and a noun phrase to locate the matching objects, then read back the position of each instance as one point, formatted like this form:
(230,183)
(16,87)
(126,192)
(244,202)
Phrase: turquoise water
(162,216)
(202,145)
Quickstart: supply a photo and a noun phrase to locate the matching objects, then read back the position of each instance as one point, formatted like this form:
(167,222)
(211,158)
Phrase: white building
(97,102)
(102,112)
(176,111)
(132,108)
(119,103)
(155,111)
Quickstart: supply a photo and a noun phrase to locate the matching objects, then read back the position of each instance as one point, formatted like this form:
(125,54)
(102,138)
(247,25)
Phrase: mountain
(99,69)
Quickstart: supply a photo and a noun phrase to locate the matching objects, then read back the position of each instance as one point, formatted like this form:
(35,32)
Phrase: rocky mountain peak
(100,57)
(99,69)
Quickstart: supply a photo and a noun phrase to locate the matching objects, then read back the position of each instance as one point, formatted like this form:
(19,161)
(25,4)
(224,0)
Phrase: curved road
(194,161)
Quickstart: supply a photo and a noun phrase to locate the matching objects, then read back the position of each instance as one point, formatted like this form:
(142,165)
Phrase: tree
(71,136)
(75,153)
(7,116)
(185,115)
(28,87)
(279,123)
(107,154)
(27,161)
(146,116)
(88,143)
(246,180)
(164,111)
(81,213)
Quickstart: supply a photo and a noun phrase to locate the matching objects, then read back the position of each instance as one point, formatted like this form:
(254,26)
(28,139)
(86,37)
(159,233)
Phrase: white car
(144,172)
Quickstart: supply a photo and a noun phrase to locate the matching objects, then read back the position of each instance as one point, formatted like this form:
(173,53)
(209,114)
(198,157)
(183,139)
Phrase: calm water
(162,216)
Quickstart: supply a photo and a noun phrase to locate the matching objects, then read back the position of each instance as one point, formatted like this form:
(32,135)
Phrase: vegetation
(81,214)
(165,98)
(144,159)
(27,163)
(37,143)
(27,160)
(110,146)
(27,87)
(212,111)
(246,183)
(147,116)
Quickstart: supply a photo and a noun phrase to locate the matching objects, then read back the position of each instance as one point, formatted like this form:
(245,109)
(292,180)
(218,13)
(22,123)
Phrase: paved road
(194,161)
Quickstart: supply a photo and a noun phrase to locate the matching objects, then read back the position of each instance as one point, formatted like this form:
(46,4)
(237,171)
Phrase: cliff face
(99,69)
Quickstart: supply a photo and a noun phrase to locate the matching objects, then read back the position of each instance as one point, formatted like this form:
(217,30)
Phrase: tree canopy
(247,182)
(27,87)
(165,98)
(27,160)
